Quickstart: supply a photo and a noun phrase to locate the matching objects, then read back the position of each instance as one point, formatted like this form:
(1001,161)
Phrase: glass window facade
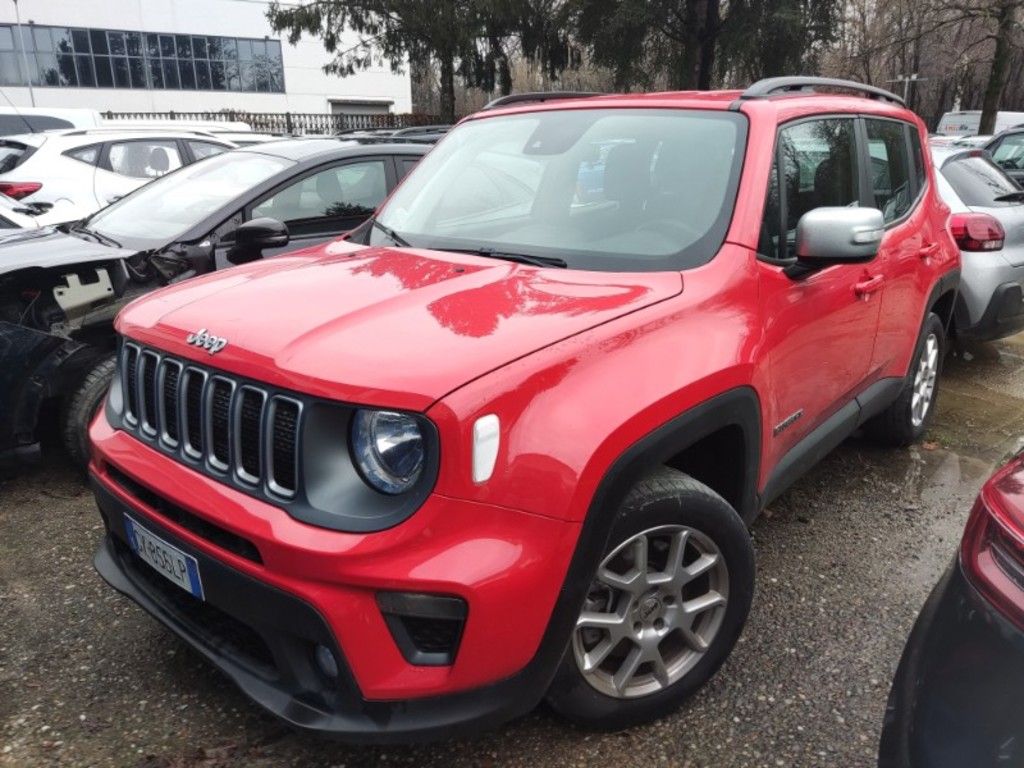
(63,57)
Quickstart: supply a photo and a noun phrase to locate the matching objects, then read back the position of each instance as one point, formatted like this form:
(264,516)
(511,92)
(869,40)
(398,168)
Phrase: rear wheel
(81,406)
(664,609)
(908,418)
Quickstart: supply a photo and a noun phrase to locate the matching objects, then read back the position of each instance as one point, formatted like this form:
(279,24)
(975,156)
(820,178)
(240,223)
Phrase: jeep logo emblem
(212,344)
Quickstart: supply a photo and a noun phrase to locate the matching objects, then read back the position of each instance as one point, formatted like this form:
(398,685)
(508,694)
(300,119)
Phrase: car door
(1008,152)
(127,165)
(913,235)
(820,328)
(328,200)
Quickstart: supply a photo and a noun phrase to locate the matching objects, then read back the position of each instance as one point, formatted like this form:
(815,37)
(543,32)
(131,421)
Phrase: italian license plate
(170,562)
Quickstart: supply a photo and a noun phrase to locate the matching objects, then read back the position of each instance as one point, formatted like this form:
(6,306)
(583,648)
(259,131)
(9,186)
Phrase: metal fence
(288,122)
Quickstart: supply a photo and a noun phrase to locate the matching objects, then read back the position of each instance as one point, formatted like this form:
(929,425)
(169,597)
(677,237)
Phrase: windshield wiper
(396,238)
(520,258)
(1011,197)
(96,236)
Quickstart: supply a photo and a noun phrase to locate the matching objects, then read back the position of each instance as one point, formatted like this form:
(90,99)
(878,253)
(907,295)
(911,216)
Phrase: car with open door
(61,288)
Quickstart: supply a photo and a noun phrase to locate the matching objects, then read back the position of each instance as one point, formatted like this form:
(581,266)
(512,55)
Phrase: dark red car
(505,442)
(956,699)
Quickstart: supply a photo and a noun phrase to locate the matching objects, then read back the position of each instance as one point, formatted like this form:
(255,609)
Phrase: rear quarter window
(13,154)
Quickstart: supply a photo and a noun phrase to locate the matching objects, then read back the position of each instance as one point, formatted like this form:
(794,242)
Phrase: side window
(319,203)
(1010,152)
(203,149)
(815,165)
(144,159)
(406,164)
(890,168)
(89,155)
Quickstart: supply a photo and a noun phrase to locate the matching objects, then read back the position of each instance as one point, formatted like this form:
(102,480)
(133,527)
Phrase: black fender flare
(736,407)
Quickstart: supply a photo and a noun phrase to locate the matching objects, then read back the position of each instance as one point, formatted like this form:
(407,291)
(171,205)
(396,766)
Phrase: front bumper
(956,699)
(276,588)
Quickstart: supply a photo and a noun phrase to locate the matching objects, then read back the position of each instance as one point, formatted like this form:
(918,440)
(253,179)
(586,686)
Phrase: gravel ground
(845,560)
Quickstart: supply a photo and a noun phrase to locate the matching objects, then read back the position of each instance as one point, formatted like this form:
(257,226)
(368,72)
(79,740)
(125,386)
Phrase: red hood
(396,328)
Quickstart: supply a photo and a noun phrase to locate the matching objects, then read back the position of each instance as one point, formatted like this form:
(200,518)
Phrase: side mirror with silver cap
(828,236)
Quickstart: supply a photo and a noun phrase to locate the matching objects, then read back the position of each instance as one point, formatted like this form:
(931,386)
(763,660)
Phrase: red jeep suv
(504,442)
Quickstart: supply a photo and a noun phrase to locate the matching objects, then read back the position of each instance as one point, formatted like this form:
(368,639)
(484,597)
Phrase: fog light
(326,662)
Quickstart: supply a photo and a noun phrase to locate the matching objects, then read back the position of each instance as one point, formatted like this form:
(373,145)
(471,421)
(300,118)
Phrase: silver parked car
(987,222)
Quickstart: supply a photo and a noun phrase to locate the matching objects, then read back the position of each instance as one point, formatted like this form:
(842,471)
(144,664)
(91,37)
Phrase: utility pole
(906,82)
(24,56)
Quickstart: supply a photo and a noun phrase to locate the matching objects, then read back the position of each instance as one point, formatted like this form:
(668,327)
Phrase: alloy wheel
(652,612)
(924,381)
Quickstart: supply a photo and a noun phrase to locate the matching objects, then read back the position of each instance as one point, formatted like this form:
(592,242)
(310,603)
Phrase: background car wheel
(81,406)
(908,418)
(664,610)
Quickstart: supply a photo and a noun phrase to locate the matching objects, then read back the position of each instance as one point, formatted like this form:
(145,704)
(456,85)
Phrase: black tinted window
(977,180)
(13,154)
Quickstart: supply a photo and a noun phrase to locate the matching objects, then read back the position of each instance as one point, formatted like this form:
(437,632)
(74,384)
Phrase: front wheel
(908,418)
(81,406)
(665,607)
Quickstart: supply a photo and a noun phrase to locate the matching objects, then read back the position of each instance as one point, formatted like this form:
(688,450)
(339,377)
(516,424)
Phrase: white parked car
(81,171)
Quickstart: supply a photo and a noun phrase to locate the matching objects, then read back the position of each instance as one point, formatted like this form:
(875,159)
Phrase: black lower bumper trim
(263,639)
(1004,315)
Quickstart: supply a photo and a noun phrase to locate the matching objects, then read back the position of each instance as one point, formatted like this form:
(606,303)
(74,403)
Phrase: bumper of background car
(276,589)
(990,304)
(957,697)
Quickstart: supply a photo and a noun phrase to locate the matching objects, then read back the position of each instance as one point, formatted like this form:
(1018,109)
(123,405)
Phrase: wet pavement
(845,560)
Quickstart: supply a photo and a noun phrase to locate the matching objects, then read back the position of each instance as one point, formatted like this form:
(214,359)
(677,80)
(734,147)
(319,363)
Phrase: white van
(966,123)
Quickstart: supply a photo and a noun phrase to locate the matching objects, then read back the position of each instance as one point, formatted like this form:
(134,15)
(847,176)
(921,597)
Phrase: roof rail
(524,98)
(771,86)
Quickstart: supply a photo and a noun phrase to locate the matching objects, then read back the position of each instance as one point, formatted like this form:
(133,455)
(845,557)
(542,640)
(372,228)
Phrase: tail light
(19,189)
(977,232)
(992,550)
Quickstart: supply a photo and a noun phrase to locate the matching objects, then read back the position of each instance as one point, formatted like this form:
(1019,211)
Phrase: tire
(907,419)
(631,619)
(80,408)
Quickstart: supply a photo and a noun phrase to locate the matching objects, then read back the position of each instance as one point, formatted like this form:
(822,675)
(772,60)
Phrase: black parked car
(60,289)
(1007,149)
(958,697)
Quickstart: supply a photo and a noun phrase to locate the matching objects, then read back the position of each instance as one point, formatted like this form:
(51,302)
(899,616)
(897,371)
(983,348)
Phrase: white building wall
(307,88)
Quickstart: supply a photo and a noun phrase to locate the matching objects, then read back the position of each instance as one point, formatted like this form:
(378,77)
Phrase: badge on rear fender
(209,342)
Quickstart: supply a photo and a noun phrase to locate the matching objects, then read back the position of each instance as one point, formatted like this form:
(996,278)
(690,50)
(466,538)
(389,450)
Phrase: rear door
(914,238)
(821,329)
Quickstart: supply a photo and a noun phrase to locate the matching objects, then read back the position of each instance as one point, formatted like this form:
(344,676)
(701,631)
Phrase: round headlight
(388,449)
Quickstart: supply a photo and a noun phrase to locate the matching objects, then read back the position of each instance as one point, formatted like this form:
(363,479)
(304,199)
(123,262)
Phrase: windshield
(603,189)
(163,210)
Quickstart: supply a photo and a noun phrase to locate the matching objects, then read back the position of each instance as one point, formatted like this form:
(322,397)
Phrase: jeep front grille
(230,427)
